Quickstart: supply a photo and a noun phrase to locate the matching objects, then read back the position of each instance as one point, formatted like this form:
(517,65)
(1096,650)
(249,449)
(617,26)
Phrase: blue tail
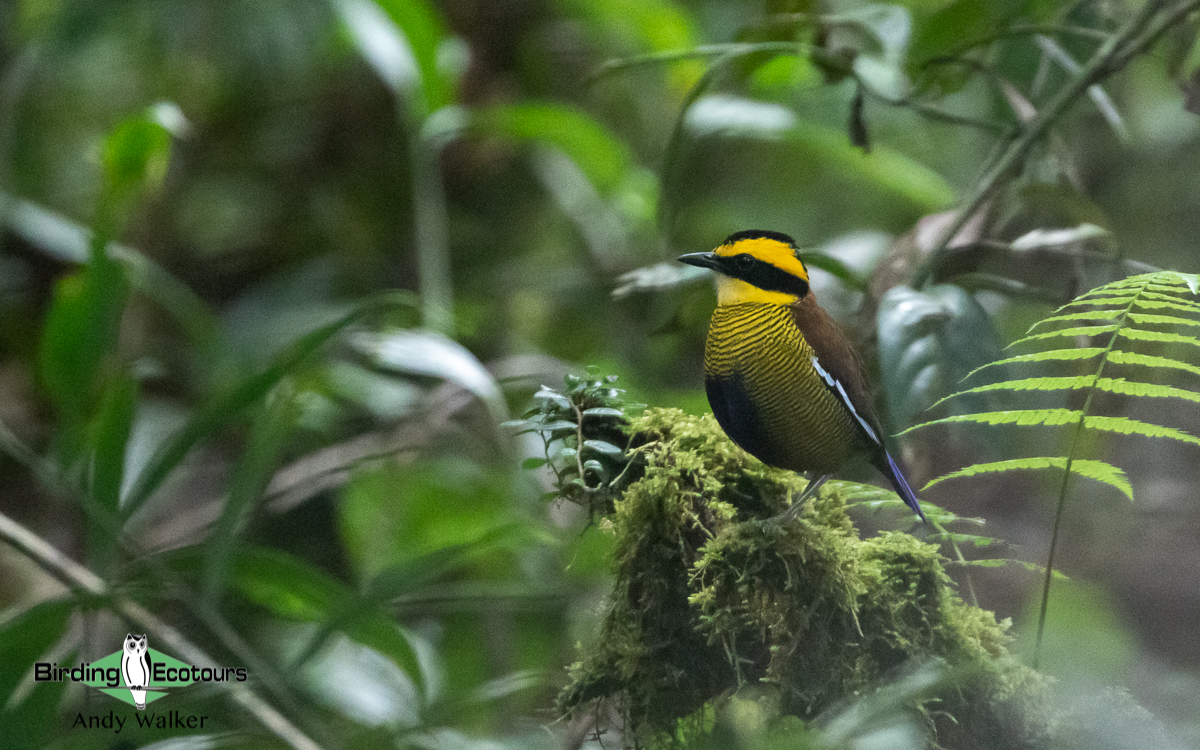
(901,484)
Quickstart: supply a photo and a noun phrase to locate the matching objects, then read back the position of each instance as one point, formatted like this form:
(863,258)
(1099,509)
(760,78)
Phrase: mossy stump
(712,597)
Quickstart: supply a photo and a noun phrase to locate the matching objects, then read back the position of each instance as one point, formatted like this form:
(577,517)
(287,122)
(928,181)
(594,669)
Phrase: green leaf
(1059,417)
(110,436)
(533,462)
(294,590)
(1110,385)
(603,158)
(881,66)
(558,425)
(1000,562)
(1051,417)
(549,394)
(400,40)
(1126,426)
(135,155)
(603,411)
(957,25)
(1060,355)
(1085,301)
(429,354)
(929,341)
(1099,471)
(657,278)
(1150,319)
(1049,238)
(65,240)
(1168,294)
(259,458)
(32,723)
(1066,333)
(80,336)
(657,25)
(1190,279)
(1167,305)
(26,637)
(110,439)
(601,446)
(957,538)
(1111,314)
(220,411)
(884,169)
(1121,357)
(393,515)
(1139,334)
(408,578)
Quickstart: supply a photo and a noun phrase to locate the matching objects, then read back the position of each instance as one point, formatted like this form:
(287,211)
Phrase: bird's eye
(744,262)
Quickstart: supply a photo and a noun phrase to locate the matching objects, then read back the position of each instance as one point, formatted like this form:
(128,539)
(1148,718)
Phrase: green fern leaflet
(1112,326)
(1107,326)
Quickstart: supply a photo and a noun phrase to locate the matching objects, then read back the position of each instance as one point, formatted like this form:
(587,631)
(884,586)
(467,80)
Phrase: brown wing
(838,359)
(842,370)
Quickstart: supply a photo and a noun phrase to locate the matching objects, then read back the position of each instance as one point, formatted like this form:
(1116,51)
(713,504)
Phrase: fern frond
(1172,298)
(1110,314)
(1126,426)
(1067,333)
(1086,352)
(1152,319)
(1059,417)
(1100,471)
(1116,356)
(959,538)
(1119,386)
(1191,280)
(1134,334)
(1000,562)
(1153,305)
(1120,357)
(1165,303)
(1086,301)
(1141,334)
(1023,417)
(1124,309)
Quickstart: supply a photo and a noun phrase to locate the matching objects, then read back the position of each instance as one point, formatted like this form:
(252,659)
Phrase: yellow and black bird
(783,381)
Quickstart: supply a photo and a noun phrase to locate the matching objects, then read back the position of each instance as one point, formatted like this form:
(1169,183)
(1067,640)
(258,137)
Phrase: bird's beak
(703,260)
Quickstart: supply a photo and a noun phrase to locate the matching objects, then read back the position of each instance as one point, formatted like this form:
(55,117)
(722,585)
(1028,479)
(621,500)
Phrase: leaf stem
(1066,479)
(431,227)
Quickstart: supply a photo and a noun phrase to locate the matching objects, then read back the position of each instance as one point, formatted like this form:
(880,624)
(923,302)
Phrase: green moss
(712,596)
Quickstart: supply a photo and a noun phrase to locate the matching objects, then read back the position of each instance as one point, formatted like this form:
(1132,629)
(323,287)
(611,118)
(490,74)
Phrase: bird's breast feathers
(775,395)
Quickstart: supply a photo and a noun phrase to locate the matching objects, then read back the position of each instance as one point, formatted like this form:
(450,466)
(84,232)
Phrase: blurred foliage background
(273,273)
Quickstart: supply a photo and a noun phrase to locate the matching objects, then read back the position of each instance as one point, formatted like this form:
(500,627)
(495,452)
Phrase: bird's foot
(797,505)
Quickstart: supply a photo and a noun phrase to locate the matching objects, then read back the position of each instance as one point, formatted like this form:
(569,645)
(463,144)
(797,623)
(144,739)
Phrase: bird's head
(755,266)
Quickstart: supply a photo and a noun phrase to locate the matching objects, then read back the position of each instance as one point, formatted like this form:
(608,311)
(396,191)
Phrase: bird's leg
(813,485)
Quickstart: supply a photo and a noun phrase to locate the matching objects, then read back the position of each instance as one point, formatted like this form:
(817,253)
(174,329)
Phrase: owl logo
(135,668)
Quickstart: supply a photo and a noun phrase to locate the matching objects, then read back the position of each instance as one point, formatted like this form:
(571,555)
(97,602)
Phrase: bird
(784,382)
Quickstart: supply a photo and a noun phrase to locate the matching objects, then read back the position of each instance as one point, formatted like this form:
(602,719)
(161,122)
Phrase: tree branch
(1135,36)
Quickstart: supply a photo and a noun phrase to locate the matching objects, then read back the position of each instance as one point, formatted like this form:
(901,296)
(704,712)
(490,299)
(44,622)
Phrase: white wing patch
(836,385)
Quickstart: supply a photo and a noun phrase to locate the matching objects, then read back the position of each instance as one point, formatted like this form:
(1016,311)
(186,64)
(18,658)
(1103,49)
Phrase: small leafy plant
(585,444)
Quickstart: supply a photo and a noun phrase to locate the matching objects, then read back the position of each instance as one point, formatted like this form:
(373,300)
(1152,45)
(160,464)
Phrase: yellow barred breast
(757,358)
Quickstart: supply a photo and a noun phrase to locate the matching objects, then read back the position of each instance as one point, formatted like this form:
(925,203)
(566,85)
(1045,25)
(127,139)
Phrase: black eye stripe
(764,275)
